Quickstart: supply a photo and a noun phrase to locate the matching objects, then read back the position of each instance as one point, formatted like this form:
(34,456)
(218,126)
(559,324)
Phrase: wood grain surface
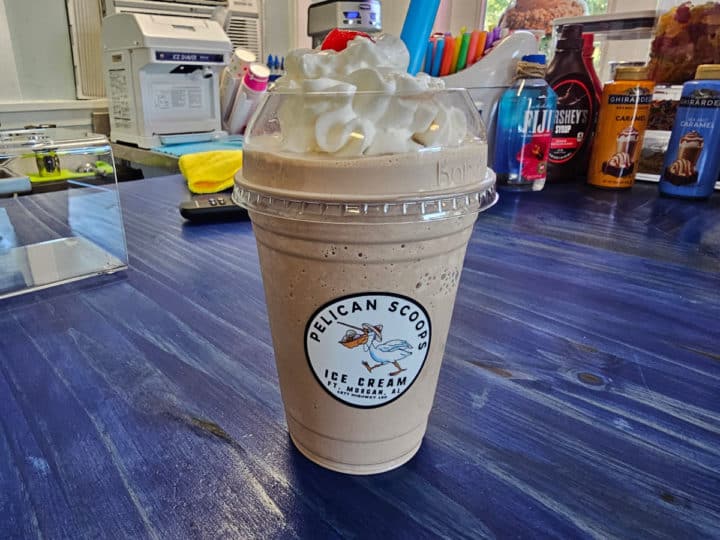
(579,395)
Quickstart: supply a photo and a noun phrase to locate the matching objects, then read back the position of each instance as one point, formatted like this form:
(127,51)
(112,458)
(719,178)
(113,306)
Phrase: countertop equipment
(361,16)
(162,76)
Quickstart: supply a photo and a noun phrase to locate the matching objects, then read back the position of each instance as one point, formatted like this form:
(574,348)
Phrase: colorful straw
(416,29)
(464,44)
(493,37)
(456,54)
(429,51)
(447,57)
(472,47)
(482,40)
(437,60)
(447,54)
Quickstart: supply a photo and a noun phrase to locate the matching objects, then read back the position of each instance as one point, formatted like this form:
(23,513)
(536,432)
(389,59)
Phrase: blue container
(526,118)
(692,162)
(417,29)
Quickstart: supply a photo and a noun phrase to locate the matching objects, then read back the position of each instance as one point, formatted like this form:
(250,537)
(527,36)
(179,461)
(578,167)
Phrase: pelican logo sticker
(366,350)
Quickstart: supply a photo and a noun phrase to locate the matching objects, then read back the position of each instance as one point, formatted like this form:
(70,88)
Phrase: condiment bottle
(232,78)
(525,122)
(576,110)
(254,85)
(692,162)
(624,113)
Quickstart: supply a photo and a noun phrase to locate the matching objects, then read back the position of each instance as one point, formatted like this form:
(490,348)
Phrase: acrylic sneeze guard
(69,226)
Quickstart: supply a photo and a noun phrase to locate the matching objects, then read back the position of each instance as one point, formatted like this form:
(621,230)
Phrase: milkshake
(362,216)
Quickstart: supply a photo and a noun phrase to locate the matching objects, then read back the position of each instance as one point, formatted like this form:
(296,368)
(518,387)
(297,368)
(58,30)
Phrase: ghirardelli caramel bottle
(576,109)
(692,161)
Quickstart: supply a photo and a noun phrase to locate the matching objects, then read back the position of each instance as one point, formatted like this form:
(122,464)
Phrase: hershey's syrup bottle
(577,108)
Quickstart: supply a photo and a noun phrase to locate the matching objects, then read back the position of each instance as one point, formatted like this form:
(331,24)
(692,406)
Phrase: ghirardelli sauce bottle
(577,108)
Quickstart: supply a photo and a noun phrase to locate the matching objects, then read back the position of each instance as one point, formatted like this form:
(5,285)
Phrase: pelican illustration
(389,352)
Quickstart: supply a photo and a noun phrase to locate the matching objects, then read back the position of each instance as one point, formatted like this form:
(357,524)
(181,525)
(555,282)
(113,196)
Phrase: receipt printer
(162,78)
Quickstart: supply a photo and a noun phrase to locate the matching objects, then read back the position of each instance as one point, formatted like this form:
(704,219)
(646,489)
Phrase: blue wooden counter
(579,396)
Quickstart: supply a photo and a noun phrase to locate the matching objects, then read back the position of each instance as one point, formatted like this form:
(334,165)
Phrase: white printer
(162,76)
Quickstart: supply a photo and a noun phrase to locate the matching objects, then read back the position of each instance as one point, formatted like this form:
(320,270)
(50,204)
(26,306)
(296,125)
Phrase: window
(495,9)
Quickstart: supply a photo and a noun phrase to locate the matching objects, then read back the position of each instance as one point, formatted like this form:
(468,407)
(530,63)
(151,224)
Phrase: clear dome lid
(366,148)
(361,138)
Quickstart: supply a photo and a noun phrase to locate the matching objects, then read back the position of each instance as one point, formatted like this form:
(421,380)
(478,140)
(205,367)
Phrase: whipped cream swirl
(332,113)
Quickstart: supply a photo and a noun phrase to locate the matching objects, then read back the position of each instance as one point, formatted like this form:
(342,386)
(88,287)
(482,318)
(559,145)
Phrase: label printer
(162,76)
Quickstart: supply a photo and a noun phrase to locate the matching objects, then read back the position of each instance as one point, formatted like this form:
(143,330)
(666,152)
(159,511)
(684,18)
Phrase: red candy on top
(338,39)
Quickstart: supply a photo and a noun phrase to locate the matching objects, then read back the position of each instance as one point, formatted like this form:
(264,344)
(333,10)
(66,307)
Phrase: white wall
(279,26)
(465,13)
(619,6)
(10,87)
(41,46)
(393,15)
(38,83)
(302,40)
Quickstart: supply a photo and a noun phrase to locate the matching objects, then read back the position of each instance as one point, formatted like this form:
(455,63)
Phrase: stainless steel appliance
(361,16)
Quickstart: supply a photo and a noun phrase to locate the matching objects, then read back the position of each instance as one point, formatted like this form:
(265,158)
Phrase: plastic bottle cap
(534,58)
(632,73)
(571,37)
(257,77)
(246,56)
(708,72)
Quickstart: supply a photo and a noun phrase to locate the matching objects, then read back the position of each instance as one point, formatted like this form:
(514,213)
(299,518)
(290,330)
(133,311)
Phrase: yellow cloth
(210,172)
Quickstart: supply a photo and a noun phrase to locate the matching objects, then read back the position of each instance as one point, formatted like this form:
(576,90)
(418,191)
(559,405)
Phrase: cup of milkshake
(363,184)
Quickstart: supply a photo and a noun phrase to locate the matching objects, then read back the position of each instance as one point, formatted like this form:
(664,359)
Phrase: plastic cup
(360,260)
